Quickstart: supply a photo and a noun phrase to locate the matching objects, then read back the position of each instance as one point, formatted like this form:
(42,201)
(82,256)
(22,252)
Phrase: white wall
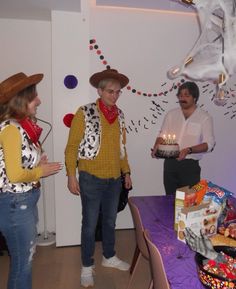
(70,56)
(26,46)
(143,45)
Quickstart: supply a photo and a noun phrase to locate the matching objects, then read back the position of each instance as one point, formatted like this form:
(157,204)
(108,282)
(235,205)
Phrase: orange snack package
(200,189)
(190,198)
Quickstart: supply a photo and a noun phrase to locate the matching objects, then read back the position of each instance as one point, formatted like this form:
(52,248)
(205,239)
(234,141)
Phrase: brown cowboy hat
(16,83)
(108,74)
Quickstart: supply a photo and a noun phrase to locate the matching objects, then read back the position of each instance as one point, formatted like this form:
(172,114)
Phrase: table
(157,214)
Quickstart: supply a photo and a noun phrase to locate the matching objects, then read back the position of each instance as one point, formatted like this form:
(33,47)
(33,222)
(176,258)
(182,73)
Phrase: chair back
(157,268)
(139,230)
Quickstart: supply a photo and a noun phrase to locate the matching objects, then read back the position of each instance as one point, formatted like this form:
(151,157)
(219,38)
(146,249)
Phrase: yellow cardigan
(107,163)
(10,141)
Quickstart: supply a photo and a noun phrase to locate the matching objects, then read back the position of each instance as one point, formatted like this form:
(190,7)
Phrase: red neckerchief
(33,130)
(110,113)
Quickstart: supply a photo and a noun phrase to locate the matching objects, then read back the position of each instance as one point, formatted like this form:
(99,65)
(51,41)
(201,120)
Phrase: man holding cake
(185,135)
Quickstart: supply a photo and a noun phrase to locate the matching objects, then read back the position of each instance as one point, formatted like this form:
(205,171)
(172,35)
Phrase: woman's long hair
(17,107)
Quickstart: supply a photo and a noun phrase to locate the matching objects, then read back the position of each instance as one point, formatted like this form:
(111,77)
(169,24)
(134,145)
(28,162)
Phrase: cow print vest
(90,144)
(30,158)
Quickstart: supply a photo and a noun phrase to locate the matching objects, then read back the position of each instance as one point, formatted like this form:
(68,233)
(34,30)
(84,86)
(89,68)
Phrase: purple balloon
(70,81)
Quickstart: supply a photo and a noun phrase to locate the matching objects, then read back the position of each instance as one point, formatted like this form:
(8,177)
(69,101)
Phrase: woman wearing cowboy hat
(97,143)
(21,167)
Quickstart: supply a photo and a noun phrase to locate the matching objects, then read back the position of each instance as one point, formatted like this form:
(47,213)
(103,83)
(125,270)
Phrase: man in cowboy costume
(96,145)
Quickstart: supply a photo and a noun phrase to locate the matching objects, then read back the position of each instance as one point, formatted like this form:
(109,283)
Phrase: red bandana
(32,129)
(110,113)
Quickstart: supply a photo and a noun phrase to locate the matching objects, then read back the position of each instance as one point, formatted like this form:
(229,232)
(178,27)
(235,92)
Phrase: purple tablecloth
(157,213)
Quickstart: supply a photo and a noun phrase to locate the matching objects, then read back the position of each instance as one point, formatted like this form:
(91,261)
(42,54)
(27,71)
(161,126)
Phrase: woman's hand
(51,168)
(43,160)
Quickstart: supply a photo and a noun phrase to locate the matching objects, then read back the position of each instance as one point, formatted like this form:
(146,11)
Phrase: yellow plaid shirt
(107,164)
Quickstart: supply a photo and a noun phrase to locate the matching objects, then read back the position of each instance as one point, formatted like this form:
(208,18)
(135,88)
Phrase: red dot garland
(93,46)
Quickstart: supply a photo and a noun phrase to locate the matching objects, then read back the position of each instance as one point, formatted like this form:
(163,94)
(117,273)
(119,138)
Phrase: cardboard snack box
(198,218)
(183,197)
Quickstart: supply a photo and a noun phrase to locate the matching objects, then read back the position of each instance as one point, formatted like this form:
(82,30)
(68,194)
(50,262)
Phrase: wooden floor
(59,268)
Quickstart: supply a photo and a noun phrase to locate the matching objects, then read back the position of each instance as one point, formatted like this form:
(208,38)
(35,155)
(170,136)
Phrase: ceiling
(35,9)
(41,9)
(175,5)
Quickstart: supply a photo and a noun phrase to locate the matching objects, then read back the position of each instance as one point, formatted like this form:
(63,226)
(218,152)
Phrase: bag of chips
(216,194)
(227,220)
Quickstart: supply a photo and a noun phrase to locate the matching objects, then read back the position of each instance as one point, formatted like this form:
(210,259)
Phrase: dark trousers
(180,173)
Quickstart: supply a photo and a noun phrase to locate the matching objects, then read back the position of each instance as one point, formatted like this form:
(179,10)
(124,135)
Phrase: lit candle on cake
(164,138)
(169,139)
(173,139)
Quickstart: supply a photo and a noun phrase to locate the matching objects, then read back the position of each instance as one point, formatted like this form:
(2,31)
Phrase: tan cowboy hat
(108,74)
(16,83)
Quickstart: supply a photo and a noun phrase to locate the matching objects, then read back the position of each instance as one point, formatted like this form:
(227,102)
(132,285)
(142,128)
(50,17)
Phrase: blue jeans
(96,193)
(18,219)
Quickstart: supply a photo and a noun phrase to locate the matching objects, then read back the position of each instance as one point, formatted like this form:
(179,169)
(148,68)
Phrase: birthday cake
(168,150)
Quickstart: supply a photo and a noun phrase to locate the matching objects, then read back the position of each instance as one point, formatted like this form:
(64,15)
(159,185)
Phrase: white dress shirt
(196,129)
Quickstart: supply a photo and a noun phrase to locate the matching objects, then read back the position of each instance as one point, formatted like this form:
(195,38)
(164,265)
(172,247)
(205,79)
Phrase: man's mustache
(183,102)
